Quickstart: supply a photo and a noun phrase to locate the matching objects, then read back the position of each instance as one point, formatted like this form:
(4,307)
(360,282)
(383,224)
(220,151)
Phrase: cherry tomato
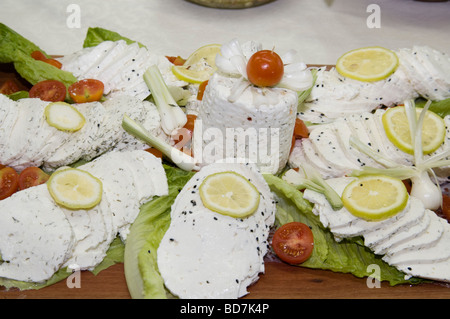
(155,152)
(49,90)
(32,176)
(300,129)
(88,90)
(176,60)
(9,182)
(38,55)
(445,213)
(201,90)
(9,87)
(265,68)
(293,242)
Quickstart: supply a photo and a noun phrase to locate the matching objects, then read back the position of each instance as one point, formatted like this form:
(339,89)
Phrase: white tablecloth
(320,30)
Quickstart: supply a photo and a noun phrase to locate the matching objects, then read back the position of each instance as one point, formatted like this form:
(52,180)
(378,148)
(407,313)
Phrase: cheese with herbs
(204,254)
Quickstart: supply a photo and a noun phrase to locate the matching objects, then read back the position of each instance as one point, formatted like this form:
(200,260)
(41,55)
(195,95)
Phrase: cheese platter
(278,279)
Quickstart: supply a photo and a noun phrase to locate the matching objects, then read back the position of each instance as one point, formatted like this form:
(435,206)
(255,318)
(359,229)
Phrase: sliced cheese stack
(120,66)
(416,241)
(334,96)
(258,126)
(38,237)
(28,140)
(328,147)
(208,255)
(422,71)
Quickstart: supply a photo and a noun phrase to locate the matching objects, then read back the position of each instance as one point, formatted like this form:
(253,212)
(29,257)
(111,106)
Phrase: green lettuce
(146,233)
(16,49)
(347,256)
(95,36)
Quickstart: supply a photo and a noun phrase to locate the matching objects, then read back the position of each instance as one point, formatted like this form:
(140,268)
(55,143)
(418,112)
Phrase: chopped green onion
(172,116)
(179,158)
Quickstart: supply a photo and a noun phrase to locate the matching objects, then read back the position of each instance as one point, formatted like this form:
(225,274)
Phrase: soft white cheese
(257,126)
(39,237)
(35,236)
(328,147)
(416,240)
(120,66)
(204,254)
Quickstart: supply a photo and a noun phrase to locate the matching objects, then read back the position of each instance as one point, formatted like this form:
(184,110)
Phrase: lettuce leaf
(442,108)
(347,256)
(95,36)
(146,233)
(16,49)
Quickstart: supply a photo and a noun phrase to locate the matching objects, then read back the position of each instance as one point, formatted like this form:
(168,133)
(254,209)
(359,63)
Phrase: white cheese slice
(194,259)
(35,236)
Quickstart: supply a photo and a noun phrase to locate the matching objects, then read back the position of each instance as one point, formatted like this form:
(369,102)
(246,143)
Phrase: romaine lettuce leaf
(16,49)
(347,256)
(95,36)
(147,231)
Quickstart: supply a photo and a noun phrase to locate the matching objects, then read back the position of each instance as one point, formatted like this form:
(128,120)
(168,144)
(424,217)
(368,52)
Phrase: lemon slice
(396,126)
(199,66)
(367,64)
(375,197)
(75,189)
(229,193)
(64,117)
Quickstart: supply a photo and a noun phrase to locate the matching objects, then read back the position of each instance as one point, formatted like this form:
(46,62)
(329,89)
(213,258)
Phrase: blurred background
(320,30)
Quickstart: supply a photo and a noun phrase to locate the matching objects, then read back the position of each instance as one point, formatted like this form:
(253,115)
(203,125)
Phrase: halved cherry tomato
(445,212)
(184,135)
(201,90)
(88,90)
(38,55)
(155,152)
(176,60)
(265,68)
(300,129)
(9,87)
(293,242)
(9,182)
(54,62)
(49,90)
(32,176)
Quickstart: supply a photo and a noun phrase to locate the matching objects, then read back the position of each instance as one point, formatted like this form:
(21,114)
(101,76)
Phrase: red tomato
(32,176)
(300,129)
(445,207)
(9,182)
(88,90)
(176,60)
(38,55)
(293,242)
(54,62)
(155,152)
(9,87)
(49,90)
(201,90)
(265,68)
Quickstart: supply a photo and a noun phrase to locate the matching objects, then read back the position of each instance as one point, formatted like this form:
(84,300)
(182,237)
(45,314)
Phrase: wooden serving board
(280,281)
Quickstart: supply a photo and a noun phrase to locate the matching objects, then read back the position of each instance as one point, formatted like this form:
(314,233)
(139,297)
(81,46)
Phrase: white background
(320,30)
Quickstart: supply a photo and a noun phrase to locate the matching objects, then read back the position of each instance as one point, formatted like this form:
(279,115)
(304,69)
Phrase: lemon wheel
(64,117)
(368,64)
(75,189)
(396,126)
(199,66)
(229,193)
(375,197)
